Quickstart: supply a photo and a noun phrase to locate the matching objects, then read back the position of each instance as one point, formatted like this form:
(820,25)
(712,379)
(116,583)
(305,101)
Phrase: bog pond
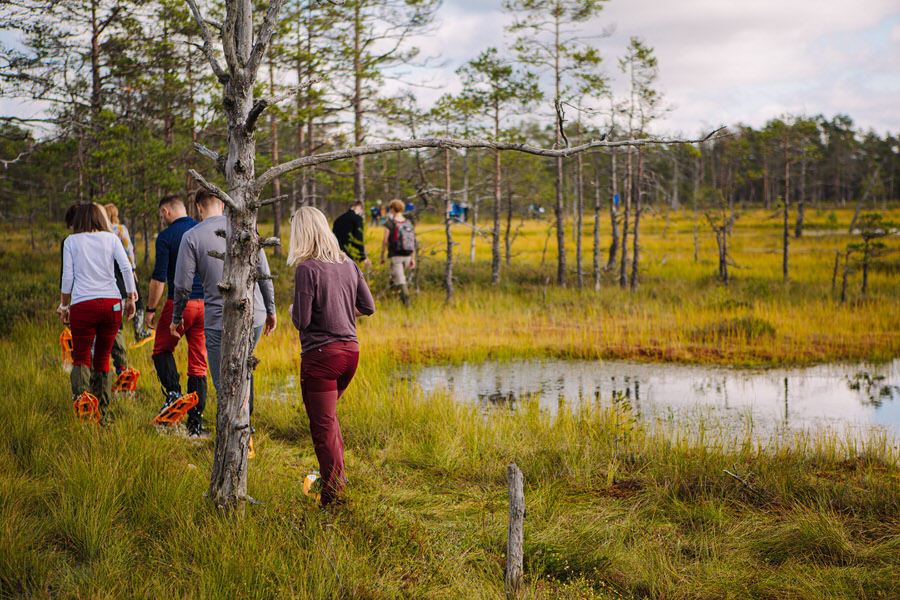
(840,397)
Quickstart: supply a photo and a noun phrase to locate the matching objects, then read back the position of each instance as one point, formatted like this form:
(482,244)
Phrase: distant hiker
(112,213)
(375,213)
(329,293)
(400,243)
(118,353)
(174,216)
(194,260)
(348,229)
(90,302)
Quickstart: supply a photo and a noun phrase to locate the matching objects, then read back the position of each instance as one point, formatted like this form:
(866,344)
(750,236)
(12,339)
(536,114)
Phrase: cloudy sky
(723,62)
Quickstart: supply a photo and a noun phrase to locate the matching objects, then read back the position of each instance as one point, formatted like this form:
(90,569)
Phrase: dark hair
(70,215)
(356,203)
(171,199)
(204,198)
(90,217)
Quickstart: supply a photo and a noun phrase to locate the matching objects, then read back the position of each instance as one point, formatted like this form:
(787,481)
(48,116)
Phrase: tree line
(128,93)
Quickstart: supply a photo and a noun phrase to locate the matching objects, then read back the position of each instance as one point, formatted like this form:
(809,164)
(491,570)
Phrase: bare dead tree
(244,50)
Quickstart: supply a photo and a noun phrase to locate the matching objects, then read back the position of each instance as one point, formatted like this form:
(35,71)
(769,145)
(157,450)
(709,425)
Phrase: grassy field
(614,510)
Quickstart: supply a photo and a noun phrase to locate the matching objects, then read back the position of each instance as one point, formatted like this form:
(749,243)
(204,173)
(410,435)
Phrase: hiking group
(99,287)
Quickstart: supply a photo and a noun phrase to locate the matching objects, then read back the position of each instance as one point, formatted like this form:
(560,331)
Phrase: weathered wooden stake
(516,532)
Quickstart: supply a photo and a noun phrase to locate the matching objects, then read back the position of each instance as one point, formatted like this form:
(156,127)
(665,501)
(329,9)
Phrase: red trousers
(94,324)
(192,328)
(325,373)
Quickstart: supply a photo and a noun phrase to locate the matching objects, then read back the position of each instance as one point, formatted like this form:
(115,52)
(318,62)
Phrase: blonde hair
(112,213)
(104,217)
(397,206)
(311,238)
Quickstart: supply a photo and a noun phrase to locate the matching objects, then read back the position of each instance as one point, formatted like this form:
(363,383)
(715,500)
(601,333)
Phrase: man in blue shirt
(173,214)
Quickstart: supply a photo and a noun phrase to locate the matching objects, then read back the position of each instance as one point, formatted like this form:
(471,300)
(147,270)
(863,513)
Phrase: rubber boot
(118,354)
(404,294)
(167,371)
(194,421)
(80,379)
(101,387)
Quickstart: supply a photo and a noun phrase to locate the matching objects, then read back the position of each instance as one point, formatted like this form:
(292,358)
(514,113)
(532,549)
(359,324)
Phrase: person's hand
(63,315)
(148,319)
(271,323)
(382,260)
(173,329)
(412,264)
(129,309)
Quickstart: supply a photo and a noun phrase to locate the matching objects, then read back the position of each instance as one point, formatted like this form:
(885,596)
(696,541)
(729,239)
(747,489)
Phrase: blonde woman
(329,293)
(112,213)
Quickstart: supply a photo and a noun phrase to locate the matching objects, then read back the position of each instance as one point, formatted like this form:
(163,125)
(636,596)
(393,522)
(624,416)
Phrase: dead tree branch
(441,142)
(220,73)
(214,190)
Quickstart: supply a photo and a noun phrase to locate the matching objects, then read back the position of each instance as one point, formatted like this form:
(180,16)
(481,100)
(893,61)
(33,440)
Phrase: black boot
(194,423)
(167,371)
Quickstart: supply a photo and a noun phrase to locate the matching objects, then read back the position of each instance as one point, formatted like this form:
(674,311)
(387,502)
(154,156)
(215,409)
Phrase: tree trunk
(276,183)
(638,203)
(786,234)
(801,202)
(579,221)
(495,232)
(515,535)
(596,245)
(448,205)
(507,242)
(613,214)
(623,263)
(359,165)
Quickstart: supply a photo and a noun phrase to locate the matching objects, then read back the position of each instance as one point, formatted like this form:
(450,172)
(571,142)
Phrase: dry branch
(221,75)
(441,142)
(214,190)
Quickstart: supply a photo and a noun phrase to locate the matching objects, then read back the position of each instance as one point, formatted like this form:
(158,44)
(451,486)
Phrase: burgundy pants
(325,373)
(94,323)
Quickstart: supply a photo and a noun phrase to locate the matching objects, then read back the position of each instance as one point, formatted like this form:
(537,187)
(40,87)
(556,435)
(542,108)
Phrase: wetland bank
(616,509)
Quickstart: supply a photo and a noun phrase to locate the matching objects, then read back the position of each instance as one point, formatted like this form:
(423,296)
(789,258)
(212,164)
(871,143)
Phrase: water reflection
(840,397)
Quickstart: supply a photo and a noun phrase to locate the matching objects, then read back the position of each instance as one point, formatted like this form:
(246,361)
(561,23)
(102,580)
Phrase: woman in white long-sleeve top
(90,302)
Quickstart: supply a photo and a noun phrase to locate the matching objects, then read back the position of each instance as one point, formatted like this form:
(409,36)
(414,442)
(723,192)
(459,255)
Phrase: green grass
(614,510)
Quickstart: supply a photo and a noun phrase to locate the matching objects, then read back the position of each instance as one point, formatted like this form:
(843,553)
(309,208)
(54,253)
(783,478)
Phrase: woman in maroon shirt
(329,293)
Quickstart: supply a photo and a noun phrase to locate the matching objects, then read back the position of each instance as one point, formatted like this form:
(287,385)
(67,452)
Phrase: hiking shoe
(197,431)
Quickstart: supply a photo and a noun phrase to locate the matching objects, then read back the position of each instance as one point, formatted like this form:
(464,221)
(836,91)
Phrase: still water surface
(840,397)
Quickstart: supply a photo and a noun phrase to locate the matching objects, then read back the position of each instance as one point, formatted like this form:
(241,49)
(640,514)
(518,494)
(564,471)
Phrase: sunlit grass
(616,509)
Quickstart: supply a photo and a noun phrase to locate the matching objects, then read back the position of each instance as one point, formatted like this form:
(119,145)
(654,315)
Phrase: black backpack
(403,239)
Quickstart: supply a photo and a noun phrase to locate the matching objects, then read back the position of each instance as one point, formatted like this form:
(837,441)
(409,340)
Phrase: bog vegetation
(614,510)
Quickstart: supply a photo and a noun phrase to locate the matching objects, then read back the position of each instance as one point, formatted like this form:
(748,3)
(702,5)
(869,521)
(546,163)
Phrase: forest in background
(129,94)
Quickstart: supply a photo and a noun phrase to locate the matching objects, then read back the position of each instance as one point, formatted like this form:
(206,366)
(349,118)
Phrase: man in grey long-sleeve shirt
(193,257)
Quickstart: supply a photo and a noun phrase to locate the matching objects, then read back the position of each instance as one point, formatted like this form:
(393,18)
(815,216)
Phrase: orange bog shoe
(86,408)
(173,412)
(65,341)
(126,381)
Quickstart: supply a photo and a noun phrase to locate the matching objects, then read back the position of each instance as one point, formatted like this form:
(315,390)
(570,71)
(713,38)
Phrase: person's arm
(185,268)
(384,241)
(358,239)
(121,259)
(365,304)
(67,282)
(267,289)
(304,291)
(157,282)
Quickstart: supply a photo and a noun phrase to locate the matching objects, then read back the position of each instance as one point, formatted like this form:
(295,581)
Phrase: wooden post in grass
(516,531)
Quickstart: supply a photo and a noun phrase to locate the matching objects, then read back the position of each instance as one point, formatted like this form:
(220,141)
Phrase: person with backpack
(400,243)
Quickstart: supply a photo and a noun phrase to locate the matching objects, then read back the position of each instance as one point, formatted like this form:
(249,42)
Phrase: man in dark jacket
(348,229)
